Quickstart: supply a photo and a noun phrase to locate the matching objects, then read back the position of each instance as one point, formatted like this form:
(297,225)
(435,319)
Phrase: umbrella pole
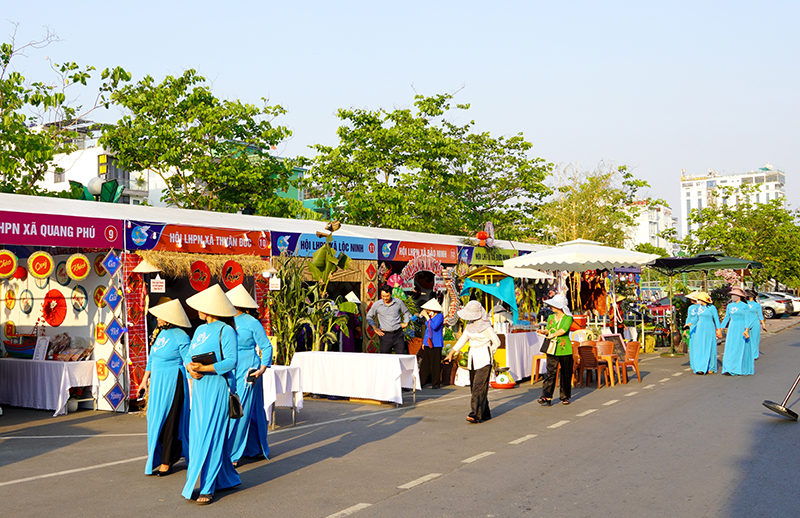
(673,323)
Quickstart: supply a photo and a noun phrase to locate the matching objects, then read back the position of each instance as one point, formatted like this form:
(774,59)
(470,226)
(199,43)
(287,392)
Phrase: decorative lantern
(482,237)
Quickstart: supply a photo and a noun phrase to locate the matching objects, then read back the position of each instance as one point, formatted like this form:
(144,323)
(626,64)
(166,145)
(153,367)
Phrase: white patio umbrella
(580,255)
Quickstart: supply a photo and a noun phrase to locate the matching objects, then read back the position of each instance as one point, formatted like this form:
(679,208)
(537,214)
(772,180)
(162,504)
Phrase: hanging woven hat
(171,312)
(146,267)
(352,297)
(433,305)
(212,301)
(240,298)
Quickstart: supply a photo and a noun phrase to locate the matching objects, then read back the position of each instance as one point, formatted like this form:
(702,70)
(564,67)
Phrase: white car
(795,300)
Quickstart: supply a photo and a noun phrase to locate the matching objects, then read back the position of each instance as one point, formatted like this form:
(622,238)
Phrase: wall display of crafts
(76,322)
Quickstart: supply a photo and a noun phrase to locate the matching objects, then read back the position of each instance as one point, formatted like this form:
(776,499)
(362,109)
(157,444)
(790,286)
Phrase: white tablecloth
(44,384)
(520,350)
(361,375)
(280,382)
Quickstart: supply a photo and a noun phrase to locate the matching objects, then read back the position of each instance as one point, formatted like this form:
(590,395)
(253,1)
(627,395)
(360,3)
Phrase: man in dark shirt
(393,317)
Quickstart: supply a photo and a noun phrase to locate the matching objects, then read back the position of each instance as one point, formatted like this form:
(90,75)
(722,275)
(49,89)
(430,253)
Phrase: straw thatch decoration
(178,264)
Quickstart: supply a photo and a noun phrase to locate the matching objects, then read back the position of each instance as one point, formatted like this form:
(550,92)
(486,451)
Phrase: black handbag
(235,410)
(545,346)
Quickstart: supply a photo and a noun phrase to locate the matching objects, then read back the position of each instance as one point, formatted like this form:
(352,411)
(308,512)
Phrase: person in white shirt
(483,342)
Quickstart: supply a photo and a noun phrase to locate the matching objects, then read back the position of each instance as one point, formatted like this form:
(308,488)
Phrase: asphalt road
(675,445)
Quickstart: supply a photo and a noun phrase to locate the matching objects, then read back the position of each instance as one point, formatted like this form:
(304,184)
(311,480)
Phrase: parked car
(794,300)
(660,307)
(773,306)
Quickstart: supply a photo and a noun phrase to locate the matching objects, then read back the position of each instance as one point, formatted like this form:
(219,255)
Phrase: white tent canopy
(523,273)
(581,255)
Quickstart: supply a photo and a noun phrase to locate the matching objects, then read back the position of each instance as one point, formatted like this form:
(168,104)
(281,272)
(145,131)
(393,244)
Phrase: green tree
(765,232)
(599,205)
(36,121)
(415,170)
(213,154)
(647,248)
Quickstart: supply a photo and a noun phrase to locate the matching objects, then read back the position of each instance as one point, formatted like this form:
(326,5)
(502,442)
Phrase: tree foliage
(415,170)
(213,154)
(765,232)
(26,151)
(647,248)
(599,205)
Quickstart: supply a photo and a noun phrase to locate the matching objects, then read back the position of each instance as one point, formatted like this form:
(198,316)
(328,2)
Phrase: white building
(90,161)
(697,192)
(649,223)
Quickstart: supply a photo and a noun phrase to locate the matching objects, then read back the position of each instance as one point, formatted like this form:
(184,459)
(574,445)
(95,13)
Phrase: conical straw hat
(212,301)
(352,297)
(146,267)
(433,305)
(171,312)
(240,298)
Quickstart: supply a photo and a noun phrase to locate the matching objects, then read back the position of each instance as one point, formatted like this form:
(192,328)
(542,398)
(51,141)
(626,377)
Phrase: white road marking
(665,379)
(610,402)
(477,457)
(590,411)
(649,386)
(419,481)
(522,439)
(349,511)
(71,471)
(687,369)
(629,394)
(556,425)
(97,435)
(678,374)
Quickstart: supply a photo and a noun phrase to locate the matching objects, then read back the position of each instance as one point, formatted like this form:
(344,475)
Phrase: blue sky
(658,86)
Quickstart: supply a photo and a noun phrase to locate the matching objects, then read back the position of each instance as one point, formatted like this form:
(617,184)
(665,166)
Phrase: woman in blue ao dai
(168,401)
(737,359)
(703,324)
(209,447)
(756,323)
(248,435)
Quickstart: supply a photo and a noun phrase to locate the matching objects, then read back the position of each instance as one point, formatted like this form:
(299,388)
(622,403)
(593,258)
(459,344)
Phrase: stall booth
(361,278)
(519,342)
(64,311)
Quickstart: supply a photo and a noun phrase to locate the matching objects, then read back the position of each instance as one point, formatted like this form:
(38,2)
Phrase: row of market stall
(78,276)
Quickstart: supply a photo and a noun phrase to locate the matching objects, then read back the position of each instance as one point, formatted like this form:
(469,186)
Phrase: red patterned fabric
(135,292)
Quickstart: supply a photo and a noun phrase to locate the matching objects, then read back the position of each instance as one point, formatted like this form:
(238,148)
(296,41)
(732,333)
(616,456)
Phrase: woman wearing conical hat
(248,435)
(432,343)
(756,324)
(703,321)
(737,359)
(209,447)
(168,401)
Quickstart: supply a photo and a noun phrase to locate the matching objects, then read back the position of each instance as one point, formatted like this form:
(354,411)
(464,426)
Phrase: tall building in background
(649,224)
(697,192)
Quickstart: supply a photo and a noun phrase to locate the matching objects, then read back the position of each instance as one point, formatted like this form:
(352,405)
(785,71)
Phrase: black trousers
(393,340)
(171,445)
(431,364)
(479,383)
(549,383)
